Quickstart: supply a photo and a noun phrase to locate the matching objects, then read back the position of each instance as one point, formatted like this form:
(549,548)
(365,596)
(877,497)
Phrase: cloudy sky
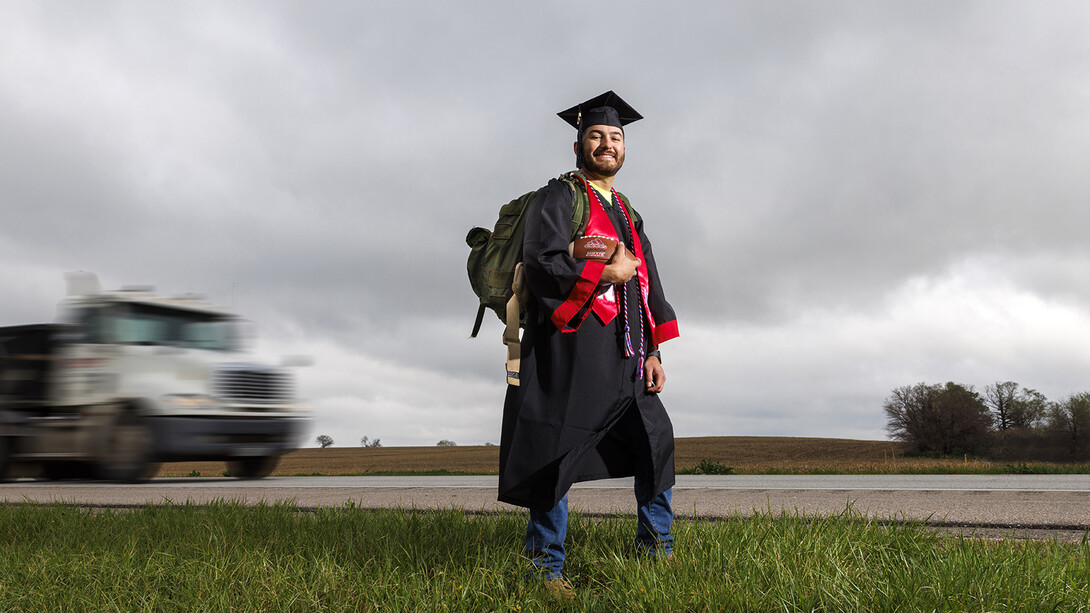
(844,197)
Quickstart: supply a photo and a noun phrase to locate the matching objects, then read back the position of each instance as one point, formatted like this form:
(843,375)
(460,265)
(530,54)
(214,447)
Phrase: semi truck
(125,380)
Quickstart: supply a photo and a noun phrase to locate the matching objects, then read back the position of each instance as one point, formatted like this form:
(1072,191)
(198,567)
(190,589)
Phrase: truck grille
(249,383)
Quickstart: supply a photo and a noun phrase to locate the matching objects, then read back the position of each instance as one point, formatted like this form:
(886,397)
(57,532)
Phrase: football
(597,248)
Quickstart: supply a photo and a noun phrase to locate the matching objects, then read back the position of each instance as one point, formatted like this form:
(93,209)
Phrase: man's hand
(654,375)
(621,267)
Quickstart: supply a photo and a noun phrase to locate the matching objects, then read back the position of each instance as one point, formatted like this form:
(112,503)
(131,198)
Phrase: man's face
(602,149)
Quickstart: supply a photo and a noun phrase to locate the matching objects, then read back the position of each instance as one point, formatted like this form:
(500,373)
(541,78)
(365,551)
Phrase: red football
(597,248)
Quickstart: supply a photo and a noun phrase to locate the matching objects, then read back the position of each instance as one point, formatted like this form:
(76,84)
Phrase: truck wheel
(127,455)
(253,468)
(64,470)
(5,458)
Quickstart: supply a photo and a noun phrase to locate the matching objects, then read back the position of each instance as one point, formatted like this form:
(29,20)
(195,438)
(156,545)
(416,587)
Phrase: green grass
(709,467)
(1045,469)
(229,557)
(999,469)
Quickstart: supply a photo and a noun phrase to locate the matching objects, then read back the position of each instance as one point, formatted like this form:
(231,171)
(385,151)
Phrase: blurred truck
(127,380)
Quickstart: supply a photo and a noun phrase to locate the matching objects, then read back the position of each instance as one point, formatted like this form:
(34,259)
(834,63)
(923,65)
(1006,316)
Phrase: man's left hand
(654,375)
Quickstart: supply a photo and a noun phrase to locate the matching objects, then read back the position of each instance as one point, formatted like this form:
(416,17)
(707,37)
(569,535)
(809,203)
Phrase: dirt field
(745,454)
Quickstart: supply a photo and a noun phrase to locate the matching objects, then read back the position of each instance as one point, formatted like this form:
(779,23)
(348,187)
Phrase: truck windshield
(141,324)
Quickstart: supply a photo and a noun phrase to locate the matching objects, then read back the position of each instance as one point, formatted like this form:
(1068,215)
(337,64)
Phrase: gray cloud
(807,171)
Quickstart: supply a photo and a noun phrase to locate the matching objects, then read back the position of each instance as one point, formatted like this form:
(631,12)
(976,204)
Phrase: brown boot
(559,588)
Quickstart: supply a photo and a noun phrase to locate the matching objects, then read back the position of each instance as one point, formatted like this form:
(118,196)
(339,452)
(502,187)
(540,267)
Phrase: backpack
(495,265)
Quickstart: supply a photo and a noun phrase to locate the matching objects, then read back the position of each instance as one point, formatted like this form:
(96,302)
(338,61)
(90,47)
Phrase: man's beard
(589,163)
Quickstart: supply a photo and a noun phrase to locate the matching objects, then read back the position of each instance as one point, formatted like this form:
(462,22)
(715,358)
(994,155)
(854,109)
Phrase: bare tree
(1000,398)
(324,440)
(910,412)
(1013,406)
(366,442)
(446,443)
(1018,413)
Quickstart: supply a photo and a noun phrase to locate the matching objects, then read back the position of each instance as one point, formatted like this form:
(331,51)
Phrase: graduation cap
(607,109)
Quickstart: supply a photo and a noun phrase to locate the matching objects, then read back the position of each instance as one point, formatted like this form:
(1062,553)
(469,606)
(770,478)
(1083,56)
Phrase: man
(587,404)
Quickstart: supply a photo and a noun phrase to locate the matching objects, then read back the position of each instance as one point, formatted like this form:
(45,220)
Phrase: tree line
(1005,421)
(324,440)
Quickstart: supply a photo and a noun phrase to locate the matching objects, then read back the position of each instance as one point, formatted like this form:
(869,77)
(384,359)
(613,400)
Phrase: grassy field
(743,454)
(224,557)
(227,557)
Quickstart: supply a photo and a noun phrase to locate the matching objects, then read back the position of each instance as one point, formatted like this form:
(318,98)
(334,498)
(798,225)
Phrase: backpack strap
(628,207)
(511,331)
(477,322)
(580,210)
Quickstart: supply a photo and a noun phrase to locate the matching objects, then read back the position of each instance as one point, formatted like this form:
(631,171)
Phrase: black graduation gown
(580,412)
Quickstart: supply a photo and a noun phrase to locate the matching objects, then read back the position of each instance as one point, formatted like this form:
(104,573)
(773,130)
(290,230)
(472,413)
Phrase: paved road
(1055,502)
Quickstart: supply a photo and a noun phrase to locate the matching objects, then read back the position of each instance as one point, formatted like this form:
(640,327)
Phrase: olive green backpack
(495,265)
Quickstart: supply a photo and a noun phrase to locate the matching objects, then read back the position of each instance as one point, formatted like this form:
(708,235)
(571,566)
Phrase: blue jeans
(546,531)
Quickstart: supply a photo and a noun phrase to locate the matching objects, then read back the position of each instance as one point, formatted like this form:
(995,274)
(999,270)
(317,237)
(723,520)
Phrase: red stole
(607,305)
